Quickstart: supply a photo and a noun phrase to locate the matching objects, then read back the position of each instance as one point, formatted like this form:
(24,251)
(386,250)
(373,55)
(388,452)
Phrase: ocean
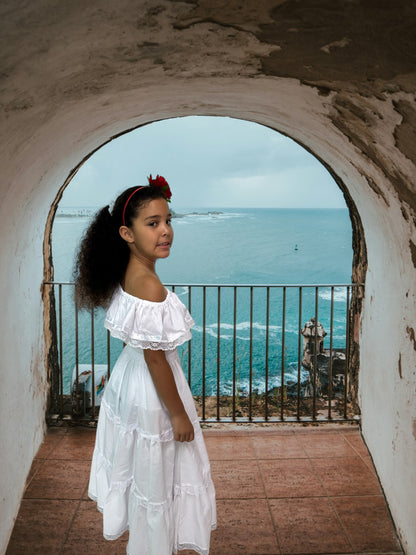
(229,246)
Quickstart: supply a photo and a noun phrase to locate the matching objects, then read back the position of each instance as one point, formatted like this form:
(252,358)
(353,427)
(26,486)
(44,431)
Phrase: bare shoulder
(148,288)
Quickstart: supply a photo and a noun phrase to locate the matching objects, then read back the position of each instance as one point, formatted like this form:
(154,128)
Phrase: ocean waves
(261,329)
(340,294)
(232,246)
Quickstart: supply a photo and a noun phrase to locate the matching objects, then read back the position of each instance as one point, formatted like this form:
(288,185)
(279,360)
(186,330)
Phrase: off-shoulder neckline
(133,297)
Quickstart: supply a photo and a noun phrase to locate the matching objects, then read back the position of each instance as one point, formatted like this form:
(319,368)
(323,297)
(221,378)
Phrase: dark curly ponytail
(103,255)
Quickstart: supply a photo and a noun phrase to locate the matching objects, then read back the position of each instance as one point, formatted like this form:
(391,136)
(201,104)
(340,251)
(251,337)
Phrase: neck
(145,263)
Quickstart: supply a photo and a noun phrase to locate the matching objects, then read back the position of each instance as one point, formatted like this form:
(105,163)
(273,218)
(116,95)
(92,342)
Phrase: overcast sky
(208,162)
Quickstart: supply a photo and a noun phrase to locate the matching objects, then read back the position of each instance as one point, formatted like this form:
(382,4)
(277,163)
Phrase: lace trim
(142,501)
(189,489)
(179,490)
(102,461)
(113,537)
(121,486)
(127,317)
(182,547)
(137,343)
(164,436)
(194,547)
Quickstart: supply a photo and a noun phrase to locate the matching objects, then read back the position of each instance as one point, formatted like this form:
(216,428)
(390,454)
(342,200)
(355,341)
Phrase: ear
(126,234)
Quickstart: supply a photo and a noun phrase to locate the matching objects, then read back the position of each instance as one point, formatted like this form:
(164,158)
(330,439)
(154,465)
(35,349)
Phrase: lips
(164,245)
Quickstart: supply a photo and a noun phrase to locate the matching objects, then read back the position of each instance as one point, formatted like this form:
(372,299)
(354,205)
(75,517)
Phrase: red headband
(159,182)
(127,201)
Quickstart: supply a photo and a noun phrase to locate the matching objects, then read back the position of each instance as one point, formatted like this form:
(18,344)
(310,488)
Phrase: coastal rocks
(325,385)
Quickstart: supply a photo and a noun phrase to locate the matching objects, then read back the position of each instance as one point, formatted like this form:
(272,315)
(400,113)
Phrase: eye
(169,221)
(152,224)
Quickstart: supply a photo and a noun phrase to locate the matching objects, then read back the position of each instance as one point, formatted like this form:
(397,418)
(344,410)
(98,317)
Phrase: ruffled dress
(141,478)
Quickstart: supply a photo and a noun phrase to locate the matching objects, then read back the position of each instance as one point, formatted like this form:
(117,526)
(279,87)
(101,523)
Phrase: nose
(166,229)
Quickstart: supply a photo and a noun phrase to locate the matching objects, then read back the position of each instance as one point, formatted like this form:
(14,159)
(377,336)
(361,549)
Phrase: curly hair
(102,255)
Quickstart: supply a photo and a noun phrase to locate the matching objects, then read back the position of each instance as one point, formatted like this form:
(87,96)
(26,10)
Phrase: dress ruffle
(158,489)
(148,325)
(141,478)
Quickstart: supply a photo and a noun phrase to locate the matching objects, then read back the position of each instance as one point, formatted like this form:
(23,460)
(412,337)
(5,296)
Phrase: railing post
(190,342)
(331,339)
(218,349)
(61,369)
(347,352)
(92,367)
(282,372)
(315,355)
(300,323)
(204,322)
(266,385)
(250,393)
(234,349)
(77,359)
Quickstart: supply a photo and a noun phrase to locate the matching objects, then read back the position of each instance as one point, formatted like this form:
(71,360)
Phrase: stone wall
(337,77)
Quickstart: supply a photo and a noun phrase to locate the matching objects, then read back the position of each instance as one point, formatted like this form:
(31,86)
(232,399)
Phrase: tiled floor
(279,490)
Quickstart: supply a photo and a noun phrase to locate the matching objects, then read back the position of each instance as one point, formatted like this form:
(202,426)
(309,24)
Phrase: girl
(150,471)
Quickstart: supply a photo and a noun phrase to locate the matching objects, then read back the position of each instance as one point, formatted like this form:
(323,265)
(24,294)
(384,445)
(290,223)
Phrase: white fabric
(143,480)
(147,324)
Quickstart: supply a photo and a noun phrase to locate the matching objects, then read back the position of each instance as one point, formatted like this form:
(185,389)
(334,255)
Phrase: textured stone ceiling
(367,45)
(361,54)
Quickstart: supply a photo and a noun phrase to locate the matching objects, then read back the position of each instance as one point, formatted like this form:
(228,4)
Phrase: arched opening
(327,145)
(308,126)
(313,72)
(358,265)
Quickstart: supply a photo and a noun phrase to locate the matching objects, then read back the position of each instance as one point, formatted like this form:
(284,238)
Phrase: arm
(166,387)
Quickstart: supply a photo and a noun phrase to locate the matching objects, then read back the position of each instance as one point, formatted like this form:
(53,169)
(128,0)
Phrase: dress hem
(181,547)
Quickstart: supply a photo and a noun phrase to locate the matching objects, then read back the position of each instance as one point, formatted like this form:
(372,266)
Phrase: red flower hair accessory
(161,182)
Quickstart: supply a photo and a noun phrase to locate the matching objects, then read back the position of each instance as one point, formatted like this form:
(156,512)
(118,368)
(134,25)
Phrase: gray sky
(208,162)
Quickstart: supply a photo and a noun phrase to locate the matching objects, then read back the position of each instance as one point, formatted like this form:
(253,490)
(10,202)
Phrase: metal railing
(250,358)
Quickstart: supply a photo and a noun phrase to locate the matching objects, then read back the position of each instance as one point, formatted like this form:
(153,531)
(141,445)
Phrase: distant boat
(296,247)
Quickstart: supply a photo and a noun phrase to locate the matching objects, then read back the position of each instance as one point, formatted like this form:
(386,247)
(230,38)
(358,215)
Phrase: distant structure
(330,366)
(309,340)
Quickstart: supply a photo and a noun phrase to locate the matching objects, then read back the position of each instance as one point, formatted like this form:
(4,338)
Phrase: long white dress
(141,478)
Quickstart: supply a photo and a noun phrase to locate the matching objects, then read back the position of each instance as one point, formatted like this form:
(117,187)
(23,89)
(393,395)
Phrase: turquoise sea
(230,246)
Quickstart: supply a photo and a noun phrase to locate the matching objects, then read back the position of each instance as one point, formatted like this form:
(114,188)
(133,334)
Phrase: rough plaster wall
(387,375)
(22,377)
(338,77)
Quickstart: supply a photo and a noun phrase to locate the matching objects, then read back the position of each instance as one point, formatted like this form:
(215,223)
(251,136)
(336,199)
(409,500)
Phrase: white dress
(141,478)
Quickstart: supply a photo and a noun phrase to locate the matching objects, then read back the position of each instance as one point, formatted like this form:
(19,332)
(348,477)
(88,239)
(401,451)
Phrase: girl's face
(150,236)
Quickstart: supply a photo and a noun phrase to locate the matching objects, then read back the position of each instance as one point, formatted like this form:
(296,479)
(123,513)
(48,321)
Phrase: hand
(182,428)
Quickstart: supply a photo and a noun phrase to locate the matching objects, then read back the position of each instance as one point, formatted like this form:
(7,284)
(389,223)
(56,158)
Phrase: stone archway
(337,78)
(358,269)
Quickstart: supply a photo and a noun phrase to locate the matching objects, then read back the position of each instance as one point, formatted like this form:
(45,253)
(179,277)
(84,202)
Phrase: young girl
(150,471)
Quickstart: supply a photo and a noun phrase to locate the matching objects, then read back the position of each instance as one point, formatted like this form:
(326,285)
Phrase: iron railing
(248,360)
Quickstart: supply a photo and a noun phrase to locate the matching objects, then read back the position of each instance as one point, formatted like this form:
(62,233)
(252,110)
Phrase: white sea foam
(258,383)
(339,338)
(242,326)
(258,327)
(259,330)
(340,294)
(186,219)
(180,292)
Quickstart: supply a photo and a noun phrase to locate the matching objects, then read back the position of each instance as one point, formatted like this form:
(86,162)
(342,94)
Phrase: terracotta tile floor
(279,490)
